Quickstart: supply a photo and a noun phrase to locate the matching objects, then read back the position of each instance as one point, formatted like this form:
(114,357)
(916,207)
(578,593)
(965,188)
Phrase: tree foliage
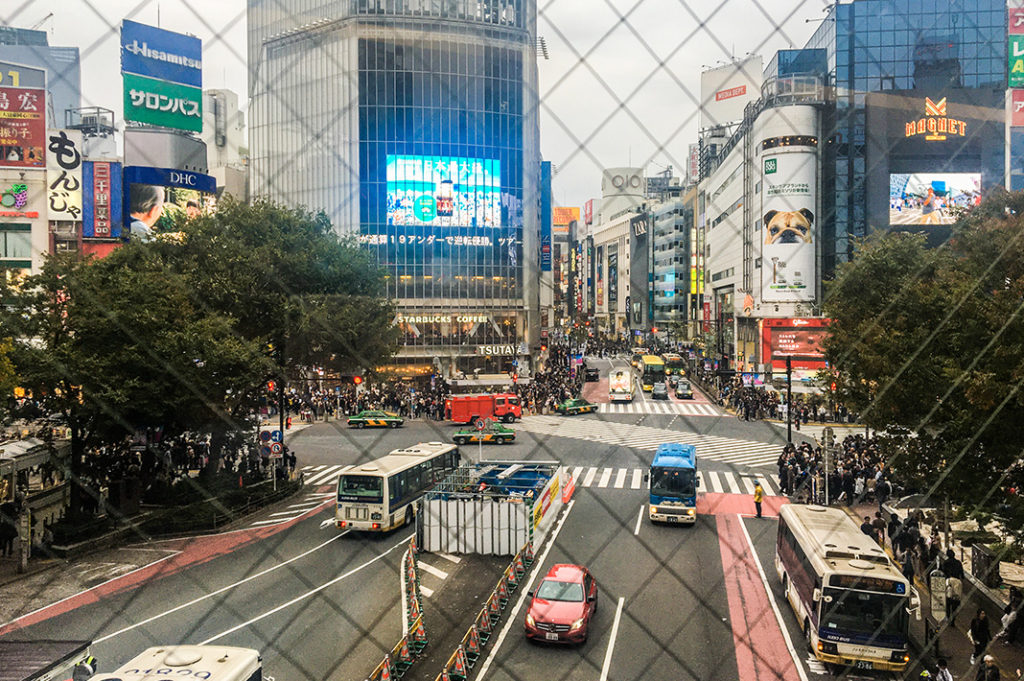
(931,342)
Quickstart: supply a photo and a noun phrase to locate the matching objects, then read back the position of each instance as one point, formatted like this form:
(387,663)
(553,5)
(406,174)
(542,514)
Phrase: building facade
(414,126)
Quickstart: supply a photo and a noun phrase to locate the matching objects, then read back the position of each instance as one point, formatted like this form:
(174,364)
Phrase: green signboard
(771,165)
(159,102)
(1016,53)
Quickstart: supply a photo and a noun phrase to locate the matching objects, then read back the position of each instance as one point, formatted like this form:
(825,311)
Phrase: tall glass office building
(414,125)
(918,48)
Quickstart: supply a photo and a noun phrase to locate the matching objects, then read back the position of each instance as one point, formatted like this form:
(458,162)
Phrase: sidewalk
(952,642)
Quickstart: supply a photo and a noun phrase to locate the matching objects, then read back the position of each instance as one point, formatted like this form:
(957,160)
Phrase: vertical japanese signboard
(22,127)
(64,175)
(1015,46)
(101,200)
(163,77)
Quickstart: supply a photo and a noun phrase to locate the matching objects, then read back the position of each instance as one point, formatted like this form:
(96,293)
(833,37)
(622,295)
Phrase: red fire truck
(470,408)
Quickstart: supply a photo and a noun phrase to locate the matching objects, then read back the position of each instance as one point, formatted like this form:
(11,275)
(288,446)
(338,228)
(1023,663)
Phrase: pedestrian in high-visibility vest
(758,496)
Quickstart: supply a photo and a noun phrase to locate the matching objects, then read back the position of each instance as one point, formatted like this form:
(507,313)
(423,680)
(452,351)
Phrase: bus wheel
(408,516)
(807,636)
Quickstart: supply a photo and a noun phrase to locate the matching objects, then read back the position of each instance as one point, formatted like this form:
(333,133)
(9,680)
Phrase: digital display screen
(797,342)
(867,584)
(929,198)
(443,191)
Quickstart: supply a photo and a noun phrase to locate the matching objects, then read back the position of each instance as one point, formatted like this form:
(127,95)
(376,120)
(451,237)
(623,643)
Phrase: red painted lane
(714,503)
(761,652)
(195,551)
(596,391)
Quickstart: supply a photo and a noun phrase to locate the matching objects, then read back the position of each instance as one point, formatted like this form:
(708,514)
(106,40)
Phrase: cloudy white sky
(619,88)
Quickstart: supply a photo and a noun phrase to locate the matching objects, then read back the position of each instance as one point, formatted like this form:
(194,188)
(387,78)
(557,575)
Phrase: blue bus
(673,484)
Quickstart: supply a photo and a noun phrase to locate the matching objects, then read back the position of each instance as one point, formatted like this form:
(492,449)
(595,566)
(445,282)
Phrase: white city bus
(211,662)
(852,603)
(621,386)
(379,495)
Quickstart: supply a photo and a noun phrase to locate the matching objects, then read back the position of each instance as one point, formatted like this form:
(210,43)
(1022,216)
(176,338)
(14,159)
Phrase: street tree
(930,342)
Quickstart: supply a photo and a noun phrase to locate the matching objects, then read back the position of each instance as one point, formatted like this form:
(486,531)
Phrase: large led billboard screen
(929,198)
(443,191)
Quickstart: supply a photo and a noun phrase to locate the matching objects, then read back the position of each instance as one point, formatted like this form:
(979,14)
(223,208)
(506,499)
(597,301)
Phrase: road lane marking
(514,613)
(639,518)
(731,481)
(302,597)
(611,642)
(220,590)
(775,606)
(427,591)
(449,557)
(428,568)
(620,478)
(714,485)
(606,475)
(590,477)
(637,477)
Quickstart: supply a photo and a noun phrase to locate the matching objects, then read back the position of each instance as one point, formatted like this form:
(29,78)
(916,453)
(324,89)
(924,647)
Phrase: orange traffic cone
(528,550)
(502,591)
(473,643)
(520,568)
(460,663)
(483,620)
(512,577)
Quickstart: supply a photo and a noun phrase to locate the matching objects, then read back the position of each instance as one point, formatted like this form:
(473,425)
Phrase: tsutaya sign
(935,126)
(495,349)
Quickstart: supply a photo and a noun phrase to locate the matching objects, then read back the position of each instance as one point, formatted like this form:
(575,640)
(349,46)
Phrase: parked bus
(212,662)
(675,365)
(673,488)
(378,495)
(652,370)
(621,385)
(850,600)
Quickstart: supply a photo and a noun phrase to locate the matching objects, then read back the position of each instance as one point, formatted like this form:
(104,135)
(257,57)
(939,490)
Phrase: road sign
(264,436)
(276,436)
(275,448)
(480,425)
(264,451)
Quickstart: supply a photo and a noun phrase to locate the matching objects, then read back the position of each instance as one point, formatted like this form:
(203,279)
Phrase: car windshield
(684,386)
(363,487)
(864,613)
(673,482)
(550,590)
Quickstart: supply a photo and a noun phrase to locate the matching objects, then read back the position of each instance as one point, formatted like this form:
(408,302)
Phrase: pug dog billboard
(788,224)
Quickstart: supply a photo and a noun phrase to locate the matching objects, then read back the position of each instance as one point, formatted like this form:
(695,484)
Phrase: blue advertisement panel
(101,200)
(164,55)
(443,191)
(545,216)
(156,197)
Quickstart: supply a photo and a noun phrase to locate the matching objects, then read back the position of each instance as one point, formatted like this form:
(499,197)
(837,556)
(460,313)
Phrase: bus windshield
(360,488)
(674,362)
(673,482)
(869,614)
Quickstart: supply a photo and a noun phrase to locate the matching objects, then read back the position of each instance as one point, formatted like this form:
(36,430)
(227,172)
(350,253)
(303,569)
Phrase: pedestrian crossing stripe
(709,447)
(649,407)
(603,477)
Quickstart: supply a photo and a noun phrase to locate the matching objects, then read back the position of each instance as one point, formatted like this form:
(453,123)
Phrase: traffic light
(833,386)
(358,380)
(271,386)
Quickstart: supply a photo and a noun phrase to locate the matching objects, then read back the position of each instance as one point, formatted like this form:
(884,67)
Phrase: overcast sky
(620,86)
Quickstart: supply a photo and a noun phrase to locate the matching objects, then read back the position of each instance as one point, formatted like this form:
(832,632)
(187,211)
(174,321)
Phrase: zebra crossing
(718,482)
(709,447)
(651,407)
(306,503)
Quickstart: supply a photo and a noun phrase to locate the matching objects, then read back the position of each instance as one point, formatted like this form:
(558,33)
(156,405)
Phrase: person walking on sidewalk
(980,634)
(943,673)
(988,670)
(954,570)
(758,497)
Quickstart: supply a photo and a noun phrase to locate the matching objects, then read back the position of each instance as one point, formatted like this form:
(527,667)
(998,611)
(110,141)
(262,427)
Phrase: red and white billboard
(22,127)
(1015,26)
(588,212)
(726,90)
(799,339)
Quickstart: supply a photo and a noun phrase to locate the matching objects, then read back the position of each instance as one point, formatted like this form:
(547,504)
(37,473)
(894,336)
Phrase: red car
(562,606)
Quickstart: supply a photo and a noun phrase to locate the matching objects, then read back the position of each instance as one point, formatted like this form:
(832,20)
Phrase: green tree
(930,342)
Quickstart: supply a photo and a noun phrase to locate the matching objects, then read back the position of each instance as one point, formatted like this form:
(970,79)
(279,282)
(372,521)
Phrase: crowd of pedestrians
(758,402)
(558,381)
(858,472)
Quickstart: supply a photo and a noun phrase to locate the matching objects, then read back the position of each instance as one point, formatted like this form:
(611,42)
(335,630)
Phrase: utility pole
(789,400)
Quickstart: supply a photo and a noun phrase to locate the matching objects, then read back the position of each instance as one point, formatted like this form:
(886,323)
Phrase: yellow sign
(936,125)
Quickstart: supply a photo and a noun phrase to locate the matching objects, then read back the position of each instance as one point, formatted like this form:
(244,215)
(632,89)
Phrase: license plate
(864,664)
(551,636)
(673,519)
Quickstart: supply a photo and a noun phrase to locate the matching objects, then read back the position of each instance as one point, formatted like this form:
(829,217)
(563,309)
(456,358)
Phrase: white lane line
(275,521)
(449,557)
(302,597)
(430,569)
(295,513)
(714,485)
(611,641)
(771,599)
(606,475)
(426,591)
(321,478)
(639,518)
(590,477)
(747,484)
(513,616)
(221,590)
(620,478)
(637,477)
(312,503)
(732,485)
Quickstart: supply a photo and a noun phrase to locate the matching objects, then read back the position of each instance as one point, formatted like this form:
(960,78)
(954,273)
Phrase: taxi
(576,406)
(372,418)
(495,433)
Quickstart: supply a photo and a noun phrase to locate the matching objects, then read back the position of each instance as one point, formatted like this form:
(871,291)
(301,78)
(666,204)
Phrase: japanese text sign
(102,200)
(158,102)
(22,127)
(1015,51)
(64,175)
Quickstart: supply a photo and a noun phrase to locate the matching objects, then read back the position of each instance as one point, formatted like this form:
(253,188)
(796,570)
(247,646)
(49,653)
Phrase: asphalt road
(322,605)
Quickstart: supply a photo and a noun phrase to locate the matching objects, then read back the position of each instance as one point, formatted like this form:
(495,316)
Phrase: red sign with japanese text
(1015,26)
(1017,108)
(798,339)
(22,127)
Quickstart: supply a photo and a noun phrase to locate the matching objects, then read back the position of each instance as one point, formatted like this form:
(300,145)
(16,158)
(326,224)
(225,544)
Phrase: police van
(186,663)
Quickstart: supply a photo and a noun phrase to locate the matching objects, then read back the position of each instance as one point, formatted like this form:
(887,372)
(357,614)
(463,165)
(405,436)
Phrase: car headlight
(691,511)
(529,620)
(654,510)
(576,625)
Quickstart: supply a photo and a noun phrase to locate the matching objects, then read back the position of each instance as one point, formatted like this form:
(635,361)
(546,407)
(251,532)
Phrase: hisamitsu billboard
(164,55)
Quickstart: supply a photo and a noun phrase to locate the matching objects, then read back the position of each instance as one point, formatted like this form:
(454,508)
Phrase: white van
(185,663)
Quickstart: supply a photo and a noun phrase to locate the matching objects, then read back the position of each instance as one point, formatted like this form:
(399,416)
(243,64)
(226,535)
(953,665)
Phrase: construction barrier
(569,488)
(471,646)
(401,658)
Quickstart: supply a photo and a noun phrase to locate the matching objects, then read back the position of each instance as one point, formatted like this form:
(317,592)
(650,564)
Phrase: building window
(16,242)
